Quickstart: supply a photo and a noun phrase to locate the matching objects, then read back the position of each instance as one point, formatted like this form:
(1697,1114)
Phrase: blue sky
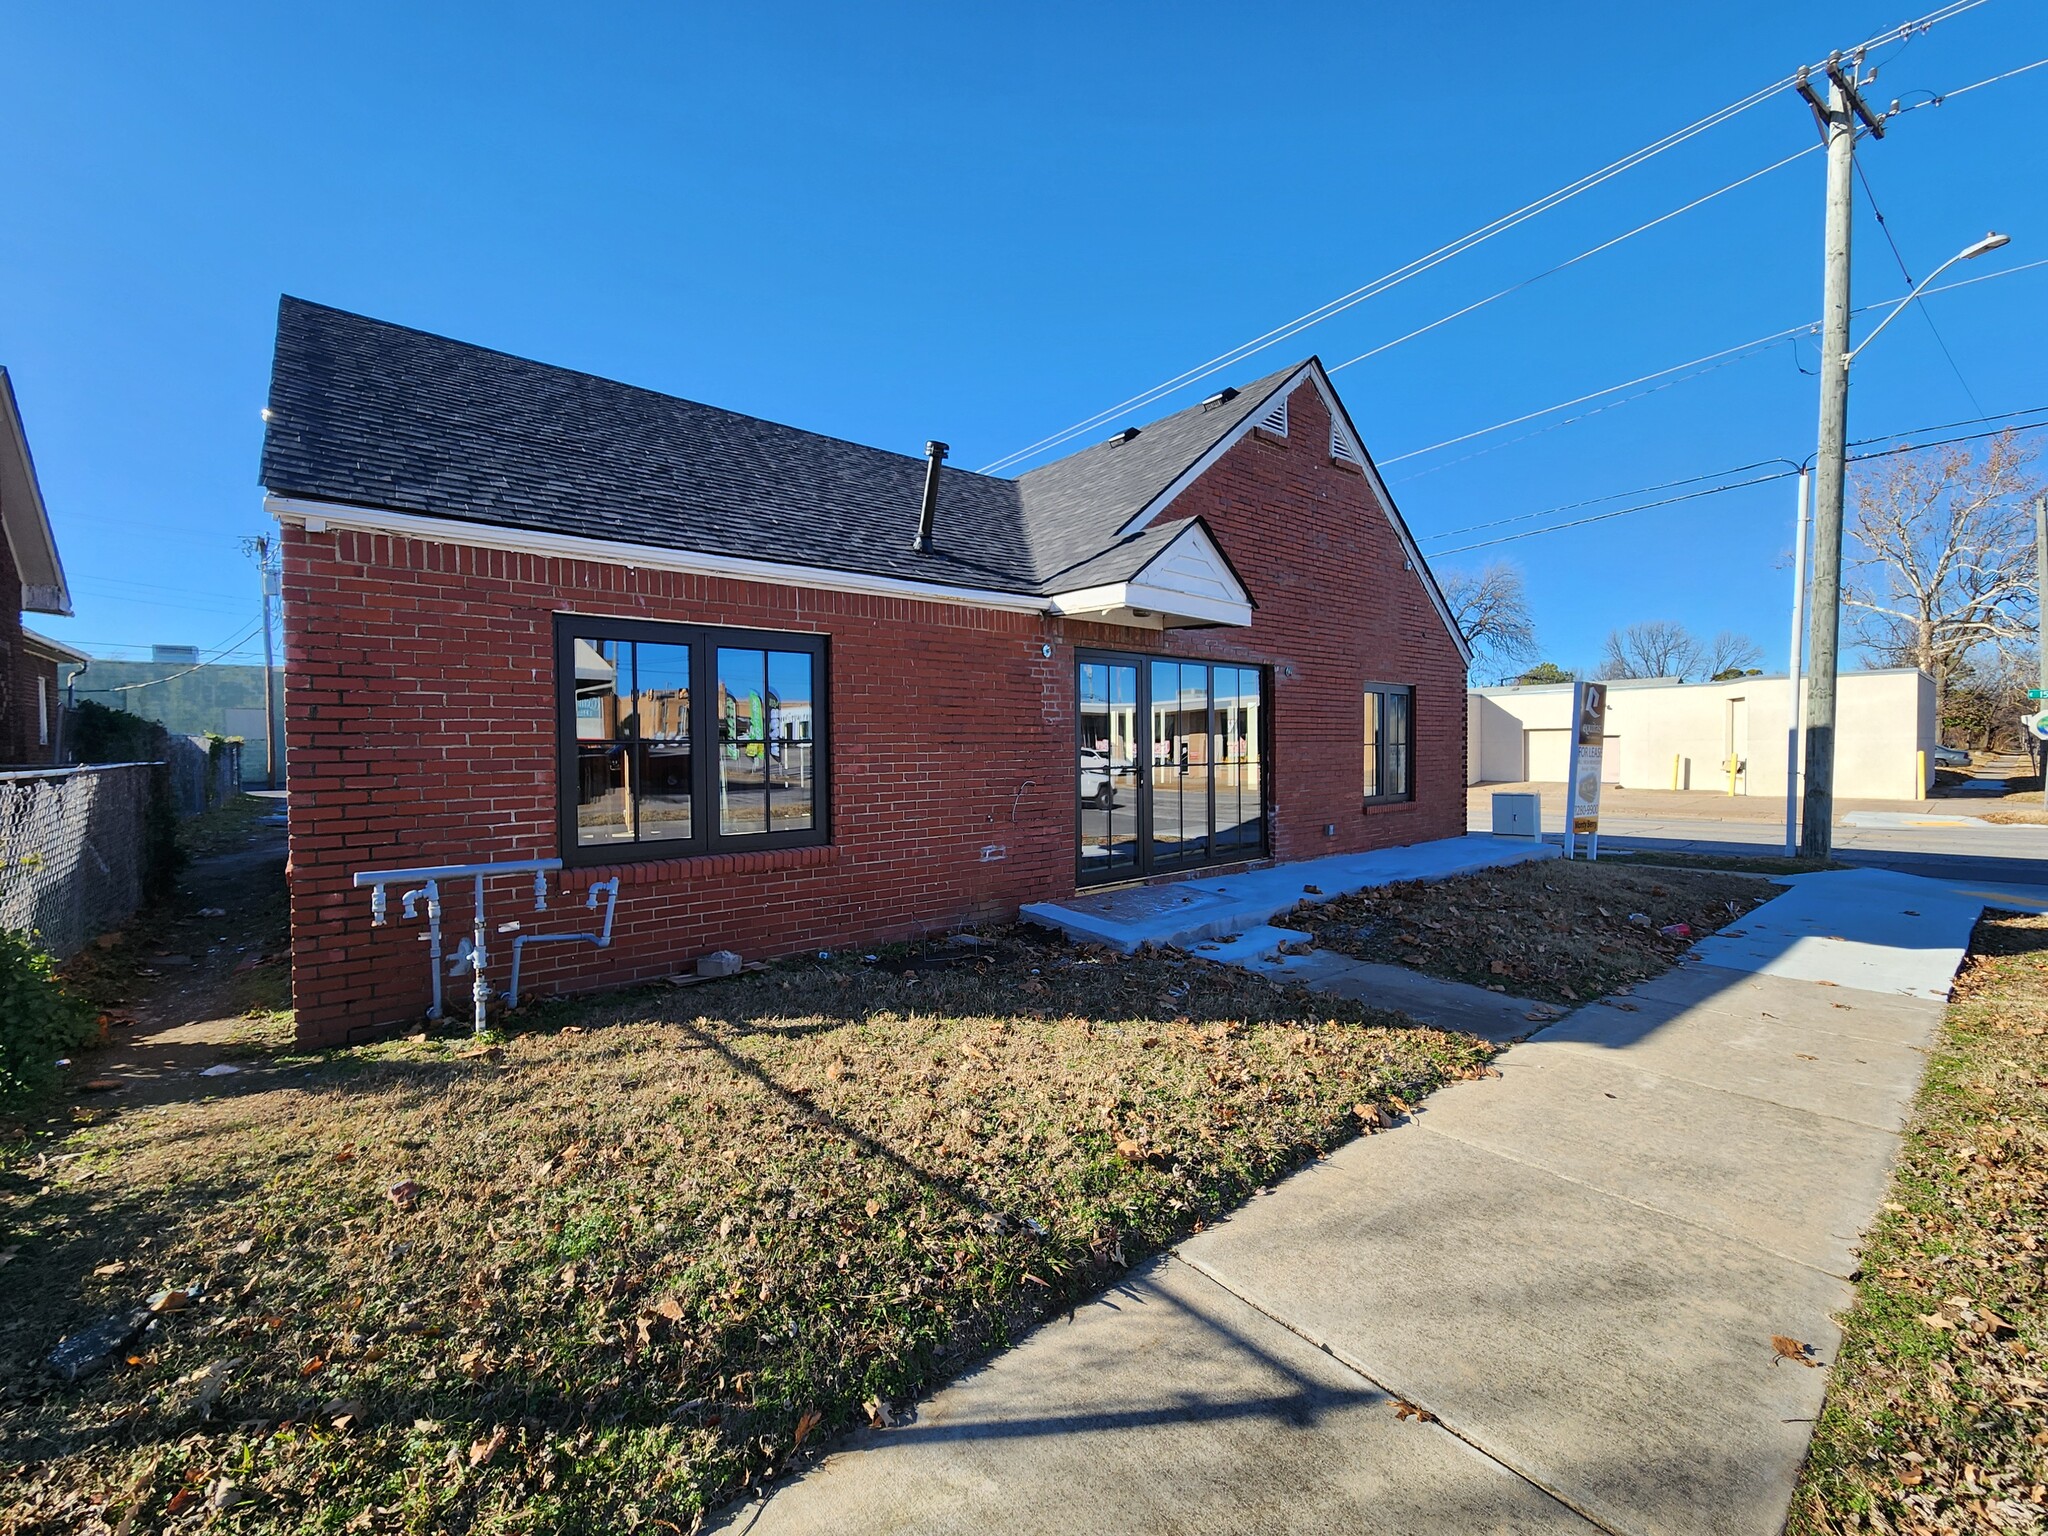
(983,224)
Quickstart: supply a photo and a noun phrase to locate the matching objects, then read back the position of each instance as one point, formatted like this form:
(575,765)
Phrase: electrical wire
(1761,343)
(209,660)
(1901,33)
(1936,99)
(1572,261)
(1884,225)
(1716,490)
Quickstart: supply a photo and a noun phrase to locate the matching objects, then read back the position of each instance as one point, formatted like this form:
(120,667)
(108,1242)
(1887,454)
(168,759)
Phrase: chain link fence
(72,844)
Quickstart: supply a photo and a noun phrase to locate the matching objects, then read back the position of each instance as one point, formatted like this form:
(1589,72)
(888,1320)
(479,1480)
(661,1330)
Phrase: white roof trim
(26,520)
(1187,582)
(55,650)
(319,516)
(1341,429)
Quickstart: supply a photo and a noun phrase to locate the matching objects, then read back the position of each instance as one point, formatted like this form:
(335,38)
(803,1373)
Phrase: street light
(1990,242)
(1824,633)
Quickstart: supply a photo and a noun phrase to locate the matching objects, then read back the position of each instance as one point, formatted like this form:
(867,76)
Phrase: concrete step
(1258,943)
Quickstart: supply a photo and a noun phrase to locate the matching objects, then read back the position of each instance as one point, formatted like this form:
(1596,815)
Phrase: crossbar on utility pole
(1825,633)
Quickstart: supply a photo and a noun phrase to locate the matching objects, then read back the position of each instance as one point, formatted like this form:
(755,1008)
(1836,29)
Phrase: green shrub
(39,1021)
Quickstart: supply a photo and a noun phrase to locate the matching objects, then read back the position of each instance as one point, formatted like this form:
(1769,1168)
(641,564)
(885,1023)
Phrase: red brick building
(31,581)
(533,614)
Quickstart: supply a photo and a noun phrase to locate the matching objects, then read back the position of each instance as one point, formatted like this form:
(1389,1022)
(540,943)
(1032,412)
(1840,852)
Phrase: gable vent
(1275,420)
(1342,451)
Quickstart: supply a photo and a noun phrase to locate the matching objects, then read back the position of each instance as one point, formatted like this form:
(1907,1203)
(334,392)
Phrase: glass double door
(1169,765)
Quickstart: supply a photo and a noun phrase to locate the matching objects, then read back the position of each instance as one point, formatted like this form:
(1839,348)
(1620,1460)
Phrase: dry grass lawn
(1937,1410)
(649,1249)
(1556,931)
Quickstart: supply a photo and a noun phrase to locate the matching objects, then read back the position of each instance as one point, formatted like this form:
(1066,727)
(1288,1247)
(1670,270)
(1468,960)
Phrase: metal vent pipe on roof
(935,455)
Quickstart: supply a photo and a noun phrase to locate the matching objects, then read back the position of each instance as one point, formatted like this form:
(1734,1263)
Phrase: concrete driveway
(1547,1304)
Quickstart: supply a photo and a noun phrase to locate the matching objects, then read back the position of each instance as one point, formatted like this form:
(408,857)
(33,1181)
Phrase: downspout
(64,708)
(935,455)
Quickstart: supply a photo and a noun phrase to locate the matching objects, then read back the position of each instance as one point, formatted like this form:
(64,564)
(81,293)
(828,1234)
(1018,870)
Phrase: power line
(1935,100)
(207,661)
(1904,32)
(1605,245)
(1870,194)
(1716,490)
(1759,344)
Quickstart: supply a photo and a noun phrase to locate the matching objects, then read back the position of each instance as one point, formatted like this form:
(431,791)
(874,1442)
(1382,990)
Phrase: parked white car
(1097,788)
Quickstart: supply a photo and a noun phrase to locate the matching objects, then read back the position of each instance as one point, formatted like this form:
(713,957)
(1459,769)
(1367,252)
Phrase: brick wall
(420,720)
(19,669)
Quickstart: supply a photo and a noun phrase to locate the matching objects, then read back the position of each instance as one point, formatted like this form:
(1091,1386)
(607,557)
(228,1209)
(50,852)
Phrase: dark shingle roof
(367,413)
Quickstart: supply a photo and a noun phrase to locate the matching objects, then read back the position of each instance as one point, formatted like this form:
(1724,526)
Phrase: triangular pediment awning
(1177,577)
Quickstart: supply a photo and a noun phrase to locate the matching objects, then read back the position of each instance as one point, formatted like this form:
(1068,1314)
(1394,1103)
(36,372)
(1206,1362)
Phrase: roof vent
(1121,438)
(1341,449)
(935,455)
(1221,397)
(1275,420)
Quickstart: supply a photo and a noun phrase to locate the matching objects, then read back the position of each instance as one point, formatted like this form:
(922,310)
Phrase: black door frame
(1144,867)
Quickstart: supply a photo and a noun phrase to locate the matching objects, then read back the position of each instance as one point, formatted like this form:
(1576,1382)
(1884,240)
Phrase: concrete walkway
(1576,1269)
(1185,913)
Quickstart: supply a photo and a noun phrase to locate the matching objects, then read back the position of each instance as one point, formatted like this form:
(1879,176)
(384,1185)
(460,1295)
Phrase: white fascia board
(319,516)
(1341,419)
(30,538)
(1117,597)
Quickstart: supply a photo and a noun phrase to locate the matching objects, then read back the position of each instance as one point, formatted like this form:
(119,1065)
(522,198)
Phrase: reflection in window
(632,741)
(635,706)
(767,777)
(1389,754)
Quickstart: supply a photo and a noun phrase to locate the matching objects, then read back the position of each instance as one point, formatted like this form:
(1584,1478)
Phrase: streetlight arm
(1988,243)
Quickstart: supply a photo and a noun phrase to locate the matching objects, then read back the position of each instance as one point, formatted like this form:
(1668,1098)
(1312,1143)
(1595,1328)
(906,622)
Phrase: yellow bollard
(1676,759)
(1921,793)
(1732,763)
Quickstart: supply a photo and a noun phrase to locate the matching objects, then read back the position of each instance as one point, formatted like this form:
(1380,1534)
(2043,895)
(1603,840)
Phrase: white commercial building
(1664,734)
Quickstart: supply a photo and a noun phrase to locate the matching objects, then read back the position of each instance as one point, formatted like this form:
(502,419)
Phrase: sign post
(1582,791)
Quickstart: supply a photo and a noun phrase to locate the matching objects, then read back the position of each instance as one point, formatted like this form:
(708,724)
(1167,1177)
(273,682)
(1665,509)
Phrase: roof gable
(1345,444)
(25,519)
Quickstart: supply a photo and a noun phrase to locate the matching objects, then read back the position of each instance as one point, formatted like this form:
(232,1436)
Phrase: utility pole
(1838,119)
(2041,626)
(1796,668)
(259,549)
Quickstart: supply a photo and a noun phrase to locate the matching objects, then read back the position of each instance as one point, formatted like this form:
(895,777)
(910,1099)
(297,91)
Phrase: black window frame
(1406,693)
(1145,866)
(704,641)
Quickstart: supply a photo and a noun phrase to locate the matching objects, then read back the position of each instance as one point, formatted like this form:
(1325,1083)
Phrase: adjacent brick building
(31,581)
(532,614)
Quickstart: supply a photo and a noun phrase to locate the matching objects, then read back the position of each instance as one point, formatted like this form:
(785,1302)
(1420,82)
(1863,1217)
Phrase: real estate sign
(1589,730)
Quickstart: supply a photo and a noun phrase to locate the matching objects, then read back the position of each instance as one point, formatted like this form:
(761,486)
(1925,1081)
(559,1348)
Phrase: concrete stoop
(1188,913)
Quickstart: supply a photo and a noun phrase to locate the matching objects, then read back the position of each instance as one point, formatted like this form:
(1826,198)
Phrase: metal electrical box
(1518,815)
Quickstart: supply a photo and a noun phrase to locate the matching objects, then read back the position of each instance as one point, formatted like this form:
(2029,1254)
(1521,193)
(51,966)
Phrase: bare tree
(1658,648)
(1492,609)
(1944,556)
(1731,655)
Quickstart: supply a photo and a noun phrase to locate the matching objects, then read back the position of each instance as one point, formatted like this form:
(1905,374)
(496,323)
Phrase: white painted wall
(1660,729)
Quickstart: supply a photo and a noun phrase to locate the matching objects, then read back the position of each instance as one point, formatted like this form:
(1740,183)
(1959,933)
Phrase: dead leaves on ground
(1784,1348)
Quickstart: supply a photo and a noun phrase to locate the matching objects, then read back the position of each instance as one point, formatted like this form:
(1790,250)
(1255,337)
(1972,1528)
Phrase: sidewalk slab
(1184,912)
(1838,1010)
(1866,928)
(1614,1355)
(1167,1396)
(1430,1000)
(1741,1167)
(1783,1061)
